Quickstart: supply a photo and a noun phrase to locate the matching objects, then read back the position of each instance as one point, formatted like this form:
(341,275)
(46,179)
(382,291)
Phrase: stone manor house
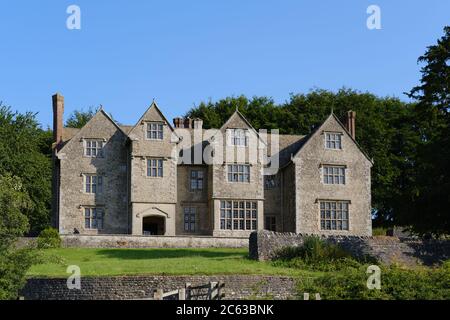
(116,179)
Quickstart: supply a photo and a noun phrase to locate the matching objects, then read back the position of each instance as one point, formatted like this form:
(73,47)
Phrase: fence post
(158,295)
(188,290)
(211,290)
(182,294)
(219,287)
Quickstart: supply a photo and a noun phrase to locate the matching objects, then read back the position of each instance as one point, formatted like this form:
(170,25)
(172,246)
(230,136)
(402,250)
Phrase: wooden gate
(210,291)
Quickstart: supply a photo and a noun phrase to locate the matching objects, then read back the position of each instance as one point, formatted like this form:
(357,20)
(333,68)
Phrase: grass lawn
(114,262)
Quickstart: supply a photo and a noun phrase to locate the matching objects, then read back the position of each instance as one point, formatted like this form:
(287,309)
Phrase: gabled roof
(111,119)
(317,129)
(241,116)
(70,133)
(154,105)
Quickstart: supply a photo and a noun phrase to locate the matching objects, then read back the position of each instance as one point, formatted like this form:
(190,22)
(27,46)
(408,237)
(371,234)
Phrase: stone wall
(119,241)
(112,166)
(264,245)
(139,287)
(311,189)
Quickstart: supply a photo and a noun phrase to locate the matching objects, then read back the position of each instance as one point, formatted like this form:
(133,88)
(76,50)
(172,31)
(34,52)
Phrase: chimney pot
(58,112)
(351,118)
(188,123)
(177,122)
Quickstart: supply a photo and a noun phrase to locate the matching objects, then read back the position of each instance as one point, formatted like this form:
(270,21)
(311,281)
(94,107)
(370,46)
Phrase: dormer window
(333,140)
(155,130)
(93,148)
(238,137)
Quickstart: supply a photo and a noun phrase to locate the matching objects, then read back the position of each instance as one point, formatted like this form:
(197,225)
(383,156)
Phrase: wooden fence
(210,291)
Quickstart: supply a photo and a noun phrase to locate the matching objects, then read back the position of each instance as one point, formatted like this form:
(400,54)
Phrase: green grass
(116,262)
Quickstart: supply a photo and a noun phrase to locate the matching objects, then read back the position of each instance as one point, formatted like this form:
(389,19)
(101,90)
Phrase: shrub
(49,238)
(396,284)
(315,254)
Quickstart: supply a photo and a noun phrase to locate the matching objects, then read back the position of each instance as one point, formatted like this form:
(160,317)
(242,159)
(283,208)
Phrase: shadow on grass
(136,254)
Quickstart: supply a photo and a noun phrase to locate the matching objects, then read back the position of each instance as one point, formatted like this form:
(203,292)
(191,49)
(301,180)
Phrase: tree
(80,117)
(25,153)
(14,263)
(384,131)
(13,200)
(429,196)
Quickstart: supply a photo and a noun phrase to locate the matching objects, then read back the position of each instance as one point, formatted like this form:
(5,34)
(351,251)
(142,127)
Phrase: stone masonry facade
(159,179)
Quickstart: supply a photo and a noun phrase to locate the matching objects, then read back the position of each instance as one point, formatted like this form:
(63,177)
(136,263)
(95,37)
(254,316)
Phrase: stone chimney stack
(198,123)
(351,117)
(178,122)
(188,123)
(58,112)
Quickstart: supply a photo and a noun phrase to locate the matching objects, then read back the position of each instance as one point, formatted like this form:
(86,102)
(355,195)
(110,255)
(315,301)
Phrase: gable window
(333,174)
(238,215)
(239,173)
(154,167)
(334,215)
(270,223)
(238,137)
(189,218)
(93,148)
(333,140)
(155,130)
(93,218)
(196,180)
(270,182)
(93,184)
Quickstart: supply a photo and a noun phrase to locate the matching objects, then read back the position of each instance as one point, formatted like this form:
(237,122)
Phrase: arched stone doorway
(153,226)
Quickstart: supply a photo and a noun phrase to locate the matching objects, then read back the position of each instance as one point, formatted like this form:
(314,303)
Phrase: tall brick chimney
(350,125)
(58,112)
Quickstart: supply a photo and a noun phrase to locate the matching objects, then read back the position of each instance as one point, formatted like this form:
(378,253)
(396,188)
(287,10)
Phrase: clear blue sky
(184,52)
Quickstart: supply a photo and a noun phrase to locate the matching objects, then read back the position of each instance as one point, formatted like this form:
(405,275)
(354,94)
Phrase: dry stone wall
(264,245)
(140,287)
(118,241)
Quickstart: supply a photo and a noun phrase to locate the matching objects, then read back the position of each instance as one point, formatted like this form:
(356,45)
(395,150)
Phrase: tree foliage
(25,152)
(14,263)
(13,200)
(79,118)
(427,203)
